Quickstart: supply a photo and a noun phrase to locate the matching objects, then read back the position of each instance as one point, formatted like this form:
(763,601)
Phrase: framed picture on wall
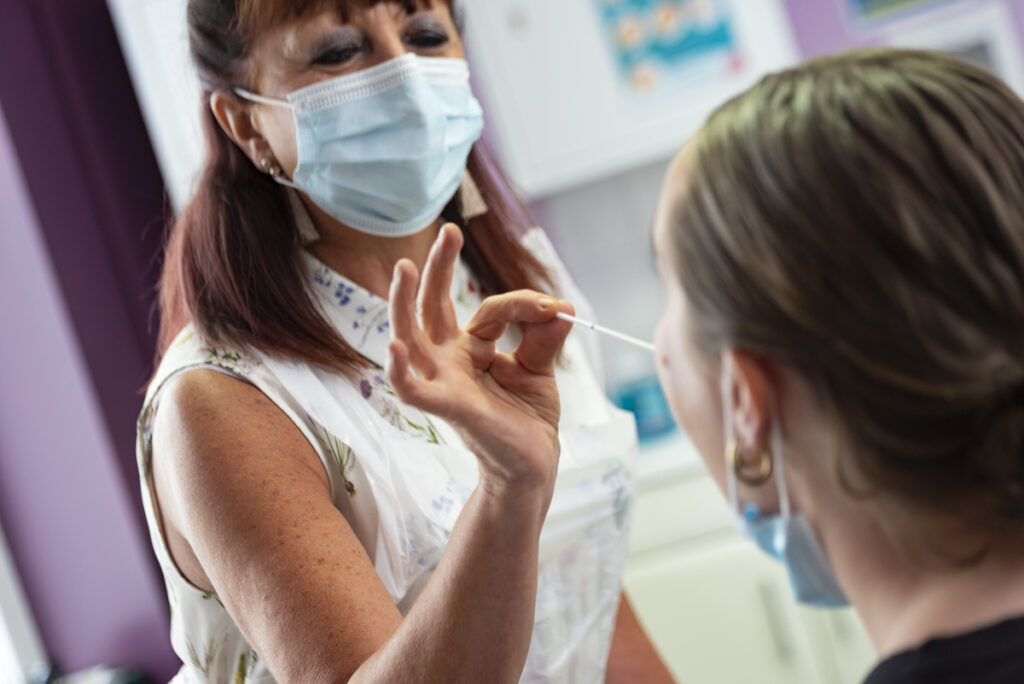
(980,31)
(875,10)
(658,44)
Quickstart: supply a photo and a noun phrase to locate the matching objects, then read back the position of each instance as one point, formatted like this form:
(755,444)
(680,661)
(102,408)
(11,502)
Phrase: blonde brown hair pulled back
(861,219)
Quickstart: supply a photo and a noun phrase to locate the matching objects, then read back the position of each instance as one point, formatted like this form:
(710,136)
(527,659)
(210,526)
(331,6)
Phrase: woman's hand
(505,406)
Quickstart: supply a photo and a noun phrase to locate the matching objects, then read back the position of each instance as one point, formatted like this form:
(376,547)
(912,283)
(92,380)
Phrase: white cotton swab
(605,331)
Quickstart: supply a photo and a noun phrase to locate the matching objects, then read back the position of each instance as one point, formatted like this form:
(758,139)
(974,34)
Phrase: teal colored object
(645,400)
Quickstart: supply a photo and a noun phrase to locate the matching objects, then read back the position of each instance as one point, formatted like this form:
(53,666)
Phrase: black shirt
(993,655)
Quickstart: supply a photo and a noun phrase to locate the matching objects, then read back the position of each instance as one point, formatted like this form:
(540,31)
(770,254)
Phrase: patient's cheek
(662,352)
(669,378)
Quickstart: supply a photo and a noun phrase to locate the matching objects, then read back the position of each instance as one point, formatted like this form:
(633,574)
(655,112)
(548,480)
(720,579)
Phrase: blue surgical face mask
(384,150)
(786,536)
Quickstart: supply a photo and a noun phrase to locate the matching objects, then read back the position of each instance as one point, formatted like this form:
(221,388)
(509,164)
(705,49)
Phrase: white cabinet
(719,610)
(719,613)
(845,647)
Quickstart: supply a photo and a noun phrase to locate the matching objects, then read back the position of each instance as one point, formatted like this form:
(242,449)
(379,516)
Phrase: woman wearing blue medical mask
(317,517)
(843,252)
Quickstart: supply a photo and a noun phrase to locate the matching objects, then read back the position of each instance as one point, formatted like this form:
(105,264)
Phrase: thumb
(542,342)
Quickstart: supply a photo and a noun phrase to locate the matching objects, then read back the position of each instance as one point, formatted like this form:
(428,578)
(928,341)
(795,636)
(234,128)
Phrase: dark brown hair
(232,264)
(861,219)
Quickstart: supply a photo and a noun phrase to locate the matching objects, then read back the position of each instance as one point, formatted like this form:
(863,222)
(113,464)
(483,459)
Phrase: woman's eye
(427,39)
(336,56)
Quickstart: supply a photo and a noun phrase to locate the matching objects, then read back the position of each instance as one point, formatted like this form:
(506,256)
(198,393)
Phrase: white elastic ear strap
(730,471)
(253,97)
(287,183)
(777,452)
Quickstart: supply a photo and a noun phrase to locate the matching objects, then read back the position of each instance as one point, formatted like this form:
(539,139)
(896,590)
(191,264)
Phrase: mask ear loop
(275,172)
(260,99)
(775,439)
(730,471)
(270,168)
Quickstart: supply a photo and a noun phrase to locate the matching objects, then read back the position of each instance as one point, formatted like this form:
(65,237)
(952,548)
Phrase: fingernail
(546,303)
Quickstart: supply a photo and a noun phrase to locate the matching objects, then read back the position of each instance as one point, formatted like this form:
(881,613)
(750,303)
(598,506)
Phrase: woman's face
(322,45)
(691,381)
(759,392)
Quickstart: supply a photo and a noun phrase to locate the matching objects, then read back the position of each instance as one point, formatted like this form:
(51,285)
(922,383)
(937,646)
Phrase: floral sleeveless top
(400,478)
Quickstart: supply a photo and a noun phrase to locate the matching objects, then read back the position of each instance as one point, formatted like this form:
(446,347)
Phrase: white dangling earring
(307,232)
(471,199)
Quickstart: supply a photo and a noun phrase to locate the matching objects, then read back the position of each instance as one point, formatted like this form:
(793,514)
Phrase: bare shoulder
(207,419)
(248,514)
(223,454)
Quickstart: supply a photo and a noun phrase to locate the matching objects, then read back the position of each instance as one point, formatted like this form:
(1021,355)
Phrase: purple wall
(820,26)
(68,517)
(79,186)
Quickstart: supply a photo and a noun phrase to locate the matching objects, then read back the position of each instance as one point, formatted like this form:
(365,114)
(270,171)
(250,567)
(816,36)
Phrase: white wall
(603,233)
(20,646)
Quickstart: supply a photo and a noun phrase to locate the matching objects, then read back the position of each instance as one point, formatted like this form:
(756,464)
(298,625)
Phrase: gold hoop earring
(752,468)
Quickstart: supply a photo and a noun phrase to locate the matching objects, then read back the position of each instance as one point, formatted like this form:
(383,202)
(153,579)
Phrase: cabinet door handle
(778,625)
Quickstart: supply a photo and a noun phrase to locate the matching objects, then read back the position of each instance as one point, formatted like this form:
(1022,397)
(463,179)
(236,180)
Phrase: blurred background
(586,101)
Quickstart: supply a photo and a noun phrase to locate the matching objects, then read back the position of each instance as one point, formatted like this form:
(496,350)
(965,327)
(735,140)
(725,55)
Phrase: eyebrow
(409,6)
(330,38)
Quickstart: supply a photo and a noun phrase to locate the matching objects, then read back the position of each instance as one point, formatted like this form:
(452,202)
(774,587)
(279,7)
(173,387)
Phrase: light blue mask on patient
(384,150)
(786,536)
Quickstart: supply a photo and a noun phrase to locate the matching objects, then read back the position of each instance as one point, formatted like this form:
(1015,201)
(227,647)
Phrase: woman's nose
(388,46)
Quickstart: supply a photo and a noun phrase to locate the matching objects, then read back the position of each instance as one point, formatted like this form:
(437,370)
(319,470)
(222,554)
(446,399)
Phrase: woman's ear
(236,120)
(751,391)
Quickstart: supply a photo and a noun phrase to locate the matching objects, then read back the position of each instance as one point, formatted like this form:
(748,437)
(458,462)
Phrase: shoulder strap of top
(188,352)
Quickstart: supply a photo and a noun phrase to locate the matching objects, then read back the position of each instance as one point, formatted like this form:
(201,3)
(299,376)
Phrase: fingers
(522,306)
(543,334)
(402,313)
(410,389)
(435,302)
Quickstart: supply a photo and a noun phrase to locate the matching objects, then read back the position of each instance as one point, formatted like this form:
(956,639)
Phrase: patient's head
(848,238)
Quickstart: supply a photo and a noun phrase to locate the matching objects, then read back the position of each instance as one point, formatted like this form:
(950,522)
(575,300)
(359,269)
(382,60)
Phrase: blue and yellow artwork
(655,42)
(874,9)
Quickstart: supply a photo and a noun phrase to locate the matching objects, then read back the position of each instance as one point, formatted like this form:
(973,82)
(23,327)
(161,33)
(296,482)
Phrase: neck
(906,598)
(365,259)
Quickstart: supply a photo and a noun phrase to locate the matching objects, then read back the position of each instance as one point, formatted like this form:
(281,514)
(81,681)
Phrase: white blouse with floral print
(403,518)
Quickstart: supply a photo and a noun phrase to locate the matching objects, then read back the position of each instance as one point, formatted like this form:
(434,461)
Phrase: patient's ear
(235,117)
(751,393)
